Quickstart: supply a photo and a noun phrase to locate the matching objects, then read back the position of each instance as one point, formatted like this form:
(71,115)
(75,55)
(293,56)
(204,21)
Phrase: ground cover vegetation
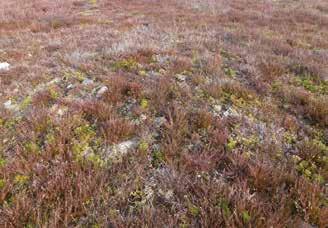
(153,113)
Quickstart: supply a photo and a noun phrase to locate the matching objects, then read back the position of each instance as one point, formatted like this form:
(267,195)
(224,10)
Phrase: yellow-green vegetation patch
(32,147)
(194,210)
(313,166)
(232,144)
(11,123)
(85,144)
(247,143)
(53,93)
(2,183)
(25,103)
(21,180)
(232,92)
(78,75)
(142,73)
(230,72)
(144,103)
(251,142)
(311,85)
(246,216)
(96,159)
(129,64)
(143,146)
(158,158)
(290,138)
(3,161)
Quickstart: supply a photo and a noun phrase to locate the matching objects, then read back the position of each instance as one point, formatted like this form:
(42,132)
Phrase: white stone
(118,150)
(4,66)
(217,108)
(9,105)
(101,91)
(87,81)
(70,86)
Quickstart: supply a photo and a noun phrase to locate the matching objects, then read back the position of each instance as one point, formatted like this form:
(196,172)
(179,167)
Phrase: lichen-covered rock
(117,151)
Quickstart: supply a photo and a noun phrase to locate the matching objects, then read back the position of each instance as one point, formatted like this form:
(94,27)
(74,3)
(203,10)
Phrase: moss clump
(129,64)
(143,146)
(194,210)
(289,138)
(85,133)
(232,143)
(53,93)
(2,162)
(2,183)
(50,138)
(230,72)
(251,142)
(312,166)
(32,147)
(84,145)
(96,160)
(308,83)
(21,180)
(225,207)
(157,158)
(142,73)
(144,103)
(246,216)
(84,136)
(79,76)
(25,103)
(11,123)
(306,168)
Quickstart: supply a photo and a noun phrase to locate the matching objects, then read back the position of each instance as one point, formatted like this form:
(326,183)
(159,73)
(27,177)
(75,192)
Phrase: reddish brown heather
(164,113)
